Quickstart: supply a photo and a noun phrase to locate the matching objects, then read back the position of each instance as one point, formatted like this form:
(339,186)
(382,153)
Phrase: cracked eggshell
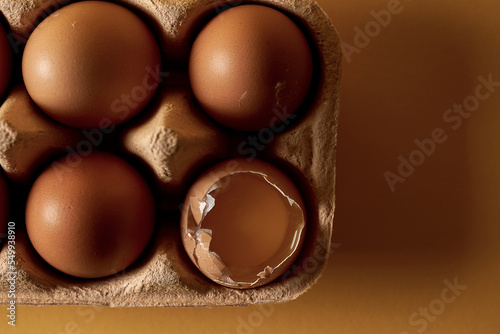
(210,177)
(196,239)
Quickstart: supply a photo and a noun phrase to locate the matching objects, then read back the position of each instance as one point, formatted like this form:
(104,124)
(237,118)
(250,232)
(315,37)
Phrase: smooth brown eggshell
(90,216)
(5,61)
(247,63)
(91,63)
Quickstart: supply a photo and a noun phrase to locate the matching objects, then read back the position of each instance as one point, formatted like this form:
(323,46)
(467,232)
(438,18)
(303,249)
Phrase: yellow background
(396,248)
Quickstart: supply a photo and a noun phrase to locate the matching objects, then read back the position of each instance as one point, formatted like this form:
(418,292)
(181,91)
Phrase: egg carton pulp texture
(173,141)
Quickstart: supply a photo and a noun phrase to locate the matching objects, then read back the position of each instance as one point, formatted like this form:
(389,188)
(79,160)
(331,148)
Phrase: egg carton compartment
(171,142)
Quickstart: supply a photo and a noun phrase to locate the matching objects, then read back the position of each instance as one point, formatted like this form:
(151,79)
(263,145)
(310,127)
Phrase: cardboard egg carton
(172,142)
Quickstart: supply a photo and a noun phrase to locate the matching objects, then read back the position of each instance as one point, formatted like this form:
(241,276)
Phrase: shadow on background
(386,104)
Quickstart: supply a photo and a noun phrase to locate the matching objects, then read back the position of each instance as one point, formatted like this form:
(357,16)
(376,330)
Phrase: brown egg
(4,206)
(250,67)
(90,216)
(243,223)
(91,64)
(5,61)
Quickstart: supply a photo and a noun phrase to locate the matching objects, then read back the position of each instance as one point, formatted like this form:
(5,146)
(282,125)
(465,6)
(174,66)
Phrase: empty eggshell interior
(223,242)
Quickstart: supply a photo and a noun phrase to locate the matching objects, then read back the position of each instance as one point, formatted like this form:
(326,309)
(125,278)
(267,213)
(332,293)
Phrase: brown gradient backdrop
(397,248)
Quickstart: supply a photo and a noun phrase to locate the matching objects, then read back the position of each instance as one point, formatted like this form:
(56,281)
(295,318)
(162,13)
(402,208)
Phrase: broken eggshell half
(243,223)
